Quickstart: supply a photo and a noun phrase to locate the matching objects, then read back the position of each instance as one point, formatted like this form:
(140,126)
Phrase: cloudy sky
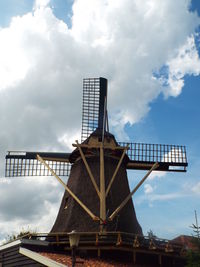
(148,50)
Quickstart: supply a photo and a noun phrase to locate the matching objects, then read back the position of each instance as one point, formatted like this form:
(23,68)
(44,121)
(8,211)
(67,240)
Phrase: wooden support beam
(95,218)
(102,188)
(134,257)
(119,240)
(116,170)
(97,239)
(98,145)
(132,192)
(56,159)
(136,242)
(160,260)
(99,253)
(88,169)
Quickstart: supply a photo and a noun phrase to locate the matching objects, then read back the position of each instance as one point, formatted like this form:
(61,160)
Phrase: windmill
(97,195)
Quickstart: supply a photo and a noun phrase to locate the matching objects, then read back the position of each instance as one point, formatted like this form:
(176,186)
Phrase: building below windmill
(94,249)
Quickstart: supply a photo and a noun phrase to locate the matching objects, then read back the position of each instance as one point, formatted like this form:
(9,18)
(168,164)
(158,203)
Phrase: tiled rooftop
(187,241)
(91,262)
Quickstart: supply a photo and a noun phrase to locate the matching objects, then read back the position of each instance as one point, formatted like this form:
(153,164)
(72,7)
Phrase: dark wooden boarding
(10,255)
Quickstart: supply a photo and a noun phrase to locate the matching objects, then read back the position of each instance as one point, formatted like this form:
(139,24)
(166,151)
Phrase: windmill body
(97,195)
(71,216)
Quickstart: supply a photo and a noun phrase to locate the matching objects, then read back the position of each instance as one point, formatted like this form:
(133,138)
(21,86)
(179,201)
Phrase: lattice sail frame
(169,157)
(141,156)
(94,105)
(19,164)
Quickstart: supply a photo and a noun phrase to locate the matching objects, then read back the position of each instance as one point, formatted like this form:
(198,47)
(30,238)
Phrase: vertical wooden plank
(134,257)
(160,259)
(102,188)
(88,169)
(68,190)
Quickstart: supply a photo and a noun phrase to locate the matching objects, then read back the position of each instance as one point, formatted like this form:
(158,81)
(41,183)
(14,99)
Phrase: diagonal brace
(116,170)
(88,169)
(132,192)
(68,190)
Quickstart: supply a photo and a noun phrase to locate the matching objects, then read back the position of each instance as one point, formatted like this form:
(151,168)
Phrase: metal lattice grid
(18,166)
(141,152)
(90,111)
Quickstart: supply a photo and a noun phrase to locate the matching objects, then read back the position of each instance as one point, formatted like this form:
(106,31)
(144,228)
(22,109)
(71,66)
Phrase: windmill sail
(26,164)
(142,156)
(94,106)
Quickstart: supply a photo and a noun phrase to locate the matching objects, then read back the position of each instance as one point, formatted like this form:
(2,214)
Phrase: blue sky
(51,62)
(11,8)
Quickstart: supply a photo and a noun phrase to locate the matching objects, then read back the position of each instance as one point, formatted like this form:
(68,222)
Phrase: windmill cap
(110,143)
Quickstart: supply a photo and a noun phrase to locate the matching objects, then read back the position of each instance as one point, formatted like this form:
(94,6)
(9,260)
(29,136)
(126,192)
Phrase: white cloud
(40,54)
(69,138)
(164,197)
(41,3)
(43,61)
(157,174)
(148,189)
(186,62)
(151,197)
(192,186)
(28,203)
(196,188)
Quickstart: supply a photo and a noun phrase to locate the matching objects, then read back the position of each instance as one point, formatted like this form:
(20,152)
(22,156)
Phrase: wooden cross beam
(116,170)
(95,218)
(132,192)
(88,168)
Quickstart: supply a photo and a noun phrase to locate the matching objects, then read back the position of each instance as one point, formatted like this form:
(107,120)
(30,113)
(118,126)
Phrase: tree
(193,256)
(23,233)
(151,234)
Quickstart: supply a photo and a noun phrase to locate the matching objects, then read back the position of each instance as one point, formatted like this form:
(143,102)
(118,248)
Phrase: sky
(149,52)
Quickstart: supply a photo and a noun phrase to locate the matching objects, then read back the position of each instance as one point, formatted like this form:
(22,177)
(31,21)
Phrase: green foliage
(151,234)
(23,233)
(193,258)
